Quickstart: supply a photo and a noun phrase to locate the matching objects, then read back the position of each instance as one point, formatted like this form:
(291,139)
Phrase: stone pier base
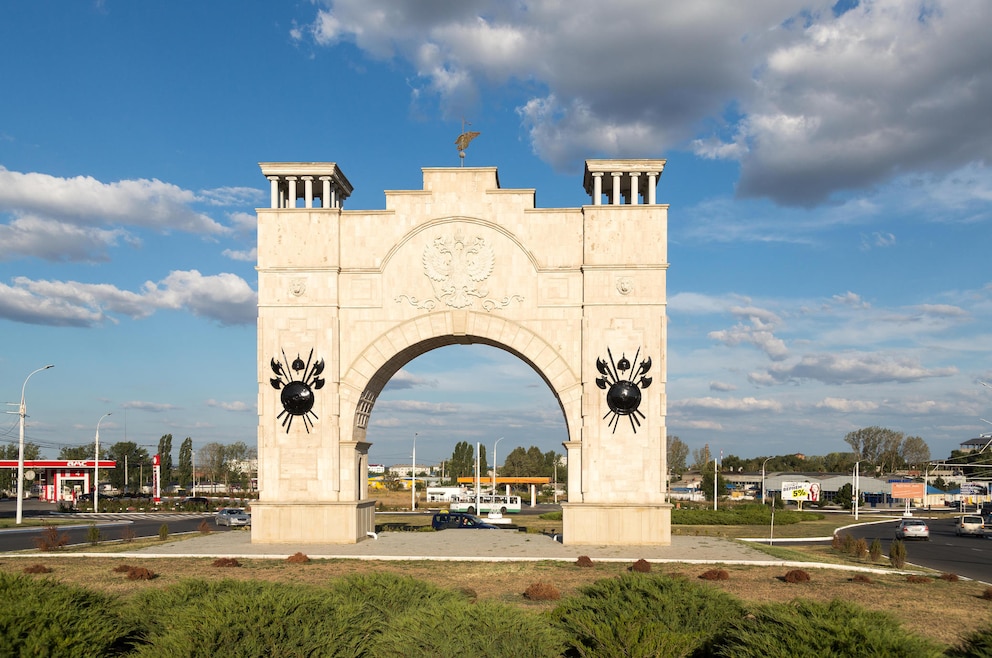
(312,523)
(616,524)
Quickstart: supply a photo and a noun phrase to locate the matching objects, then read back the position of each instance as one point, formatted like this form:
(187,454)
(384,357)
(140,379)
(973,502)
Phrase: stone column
(291,200)
(597,188)
(652,184)
(274,193)
(616,188)
(634,176)
(308,191)
(326,197)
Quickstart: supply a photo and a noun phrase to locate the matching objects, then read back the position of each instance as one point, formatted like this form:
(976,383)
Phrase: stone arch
(351,296)
(365,378)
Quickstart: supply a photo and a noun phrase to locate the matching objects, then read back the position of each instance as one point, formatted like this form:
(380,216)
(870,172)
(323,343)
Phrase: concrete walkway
(459,545)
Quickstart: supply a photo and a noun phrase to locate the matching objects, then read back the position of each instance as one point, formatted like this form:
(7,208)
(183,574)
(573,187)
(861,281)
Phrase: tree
(706,482)
(165,457)
(678,452)
(701,457)
(462,462)
(915,451)
(76,452)
(128,455)
(939,483)
(8,476)
(845,496)
(211,462)
(876,445)
(185,470)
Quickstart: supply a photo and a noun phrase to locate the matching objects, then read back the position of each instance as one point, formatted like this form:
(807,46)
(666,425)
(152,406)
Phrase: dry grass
(963,608)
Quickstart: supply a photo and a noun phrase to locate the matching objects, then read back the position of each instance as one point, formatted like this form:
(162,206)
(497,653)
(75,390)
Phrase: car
(232,517)
(194,503)
(444,520)
(970,524)
(913,529)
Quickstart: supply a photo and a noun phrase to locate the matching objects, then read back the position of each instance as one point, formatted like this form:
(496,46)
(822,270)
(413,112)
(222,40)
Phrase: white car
(232,517)
(970,524)
(913,529)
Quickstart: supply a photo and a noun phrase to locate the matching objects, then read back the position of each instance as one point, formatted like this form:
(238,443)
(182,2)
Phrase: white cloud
(728,404)
(154,407)
(856,368)
(224,298)
(247,256)
(809,101)
(846,406)
(230,406)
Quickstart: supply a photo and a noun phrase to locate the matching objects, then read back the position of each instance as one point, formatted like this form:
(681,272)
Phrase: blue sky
(828,176)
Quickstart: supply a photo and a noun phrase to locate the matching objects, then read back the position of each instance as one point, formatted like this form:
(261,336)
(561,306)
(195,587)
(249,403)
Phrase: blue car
(444,520)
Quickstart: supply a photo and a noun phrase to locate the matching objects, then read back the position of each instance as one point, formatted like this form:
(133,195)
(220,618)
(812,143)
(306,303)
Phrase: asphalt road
(970,557)
(111,526)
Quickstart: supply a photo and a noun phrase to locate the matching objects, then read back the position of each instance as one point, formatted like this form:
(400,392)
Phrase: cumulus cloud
(154,407)
(230,406)
(758,331)
(855,368)
(404,379)
(727,404)
(81,219)
(846,406)
(224,298)
(811,99)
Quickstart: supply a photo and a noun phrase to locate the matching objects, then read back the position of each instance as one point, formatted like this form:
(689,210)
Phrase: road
(970,557)
(111,526)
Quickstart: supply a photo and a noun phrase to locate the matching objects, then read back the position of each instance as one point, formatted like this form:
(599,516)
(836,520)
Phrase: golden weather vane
(463,141)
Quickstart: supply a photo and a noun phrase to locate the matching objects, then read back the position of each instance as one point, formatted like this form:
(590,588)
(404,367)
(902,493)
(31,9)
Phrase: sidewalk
(460,545)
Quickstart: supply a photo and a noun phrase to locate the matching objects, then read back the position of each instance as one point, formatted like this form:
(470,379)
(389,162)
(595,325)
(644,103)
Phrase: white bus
(487,503)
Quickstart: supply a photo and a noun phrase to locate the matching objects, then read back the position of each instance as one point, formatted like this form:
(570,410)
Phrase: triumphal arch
(347,297)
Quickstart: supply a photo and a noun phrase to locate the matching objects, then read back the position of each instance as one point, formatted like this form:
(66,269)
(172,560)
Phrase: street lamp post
(494,463)
(493,509)
(413,476)
(96,465)
(20,449)
(763,480)
(857,488)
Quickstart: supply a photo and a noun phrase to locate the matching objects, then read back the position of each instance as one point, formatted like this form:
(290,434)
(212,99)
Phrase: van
(969,525)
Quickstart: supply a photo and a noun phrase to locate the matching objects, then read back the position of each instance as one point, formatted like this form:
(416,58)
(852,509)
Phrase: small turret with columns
(628,181)
(331,190)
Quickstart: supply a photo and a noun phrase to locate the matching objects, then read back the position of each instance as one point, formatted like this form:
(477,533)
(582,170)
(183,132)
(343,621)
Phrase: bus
(487,503)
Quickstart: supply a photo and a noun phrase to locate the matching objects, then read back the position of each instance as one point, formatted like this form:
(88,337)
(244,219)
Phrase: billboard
(801,491)
(907,490)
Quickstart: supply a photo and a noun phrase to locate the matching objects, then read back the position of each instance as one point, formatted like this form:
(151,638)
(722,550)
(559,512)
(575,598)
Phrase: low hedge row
(743,515)
(387,615)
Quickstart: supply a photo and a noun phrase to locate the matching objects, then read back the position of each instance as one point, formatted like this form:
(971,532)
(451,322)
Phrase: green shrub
(807,628)
(643,615)
(163,532)
(752,514)
(42,617)
(975,644)
(897,553)
(458,628)
(875,550)
(230,618)
(551,516)
(93,534)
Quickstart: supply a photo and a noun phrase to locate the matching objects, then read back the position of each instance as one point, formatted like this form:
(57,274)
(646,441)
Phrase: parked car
(913,529)
(443,520)
(970,524)
(232,517)
(194,503)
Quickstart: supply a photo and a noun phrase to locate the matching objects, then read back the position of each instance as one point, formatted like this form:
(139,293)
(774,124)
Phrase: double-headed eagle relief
(624,394)
(458,269)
